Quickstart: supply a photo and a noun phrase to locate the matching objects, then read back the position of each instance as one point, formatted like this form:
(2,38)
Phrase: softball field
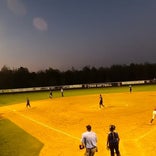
(58,123)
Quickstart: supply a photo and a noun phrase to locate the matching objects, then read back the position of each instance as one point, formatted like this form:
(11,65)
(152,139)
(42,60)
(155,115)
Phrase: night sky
(61,34)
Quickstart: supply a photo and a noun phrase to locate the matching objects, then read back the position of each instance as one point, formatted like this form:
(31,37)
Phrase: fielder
(50,94)
(62,92)
(101,101)
(28,103)
(130,88)
(153,116)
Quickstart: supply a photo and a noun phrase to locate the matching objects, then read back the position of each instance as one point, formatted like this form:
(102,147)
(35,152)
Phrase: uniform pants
(116,148)
(90,151)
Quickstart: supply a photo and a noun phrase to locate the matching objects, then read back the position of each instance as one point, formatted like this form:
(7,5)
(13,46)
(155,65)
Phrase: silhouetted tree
(21,77)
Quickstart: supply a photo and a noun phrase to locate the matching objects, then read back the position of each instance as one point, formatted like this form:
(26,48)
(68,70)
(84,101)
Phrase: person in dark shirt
(28,103)
(113,141)
(101,101)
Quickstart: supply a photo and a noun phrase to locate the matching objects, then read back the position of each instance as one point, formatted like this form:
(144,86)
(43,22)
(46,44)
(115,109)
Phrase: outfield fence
(78,86)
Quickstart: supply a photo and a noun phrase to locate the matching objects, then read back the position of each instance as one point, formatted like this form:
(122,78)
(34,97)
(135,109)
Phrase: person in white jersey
(153,115)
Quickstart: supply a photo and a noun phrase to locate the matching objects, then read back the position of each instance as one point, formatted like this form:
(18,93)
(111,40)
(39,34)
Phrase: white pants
(154,114)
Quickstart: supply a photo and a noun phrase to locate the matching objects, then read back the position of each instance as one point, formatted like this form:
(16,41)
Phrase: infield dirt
(58,123)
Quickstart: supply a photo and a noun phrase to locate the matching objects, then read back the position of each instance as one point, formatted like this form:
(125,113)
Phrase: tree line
(23,78)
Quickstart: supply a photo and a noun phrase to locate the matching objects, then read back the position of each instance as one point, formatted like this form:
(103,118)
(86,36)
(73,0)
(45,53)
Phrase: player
(28,103)
(62,94)
(153,116)
(50,94)
(89,141)
(101,101)
(130,88)
(113,141)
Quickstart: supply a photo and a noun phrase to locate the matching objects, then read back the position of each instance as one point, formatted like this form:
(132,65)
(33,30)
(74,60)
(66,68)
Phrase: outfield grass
(16,142)
(8,99)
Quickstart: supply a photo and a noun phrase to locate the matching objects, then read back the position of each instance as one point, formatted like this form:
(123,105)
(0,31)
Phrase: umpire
(113,141)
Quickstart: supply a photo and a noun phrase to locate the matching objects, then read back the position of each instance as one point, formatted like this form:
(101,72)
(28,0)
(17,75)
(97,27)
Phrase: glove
(81,147)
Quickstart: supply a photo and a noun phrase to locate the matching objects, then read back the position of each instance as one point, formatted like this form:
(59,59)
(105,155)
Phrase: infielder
(101,101)
(28,103)
(153,116)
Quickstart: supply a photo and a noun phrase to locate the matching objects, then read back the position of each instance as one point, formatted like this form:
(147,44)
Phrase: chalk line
(46,126)
(145,134)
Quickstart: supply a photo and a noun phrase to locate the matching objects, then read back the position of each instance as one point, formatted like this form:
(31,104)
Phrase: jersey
(113,138)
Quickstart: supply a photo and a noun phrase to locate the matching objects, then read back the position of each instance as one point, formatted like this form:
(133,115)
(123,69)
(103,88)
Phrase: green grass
(16,142)
(8,99)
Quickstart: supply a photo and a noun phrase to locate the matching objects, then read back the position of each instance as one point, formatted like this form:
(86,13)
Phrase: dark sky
(62,34)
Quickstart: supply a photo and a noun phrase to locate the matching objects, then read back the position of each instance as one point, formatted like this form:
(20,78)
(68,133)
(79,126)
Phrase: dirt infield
(58,123)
